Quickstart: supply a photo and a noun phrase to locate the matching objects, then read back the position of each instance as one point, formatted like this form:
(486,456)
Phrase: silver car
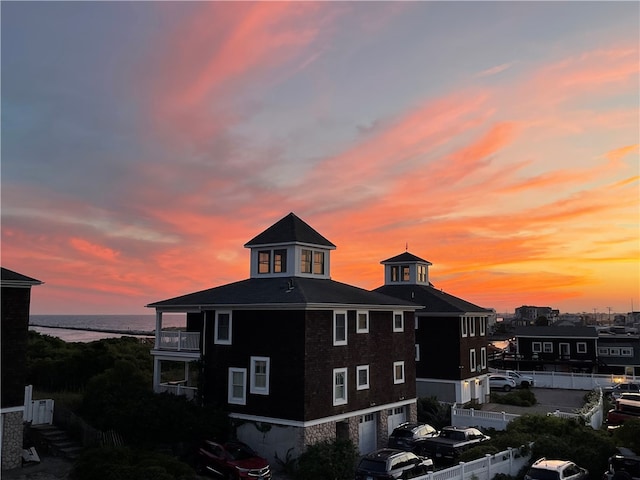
(501,382)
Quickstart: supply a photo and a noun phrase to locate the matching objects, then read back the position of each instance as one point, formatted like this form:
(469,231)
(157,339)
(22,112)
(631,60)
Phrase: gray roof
(404,258)
(558,332)
(290,229)
(284,292)
(9,277)
(434,300)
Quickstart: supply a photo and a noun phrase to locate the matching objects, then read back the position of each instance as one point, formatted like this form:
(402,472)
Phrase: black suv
(389,464)
(623,467)
(405,435)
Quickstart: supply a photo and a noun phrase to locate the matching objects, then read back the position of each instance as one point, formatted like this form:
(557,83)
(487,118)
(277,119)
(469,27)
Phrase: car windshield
(542,474)
(240,452)
(402,433)
(373,465)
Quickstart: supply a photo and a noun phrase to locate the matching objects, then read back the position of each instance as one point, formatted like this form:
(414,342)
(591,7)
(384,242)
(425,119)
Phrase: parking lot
(549,400)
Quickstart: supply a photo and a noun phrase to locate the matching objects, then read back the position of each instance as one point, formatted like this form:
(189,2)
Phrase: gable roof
(435,301)
(15,279)
(284,292)
(556,332)
(290,229)
(405,257)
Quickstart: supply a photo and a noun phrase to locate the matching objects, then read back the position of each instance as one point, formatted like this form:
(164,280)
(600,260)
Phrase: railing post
(158,328)
(487,457)
(461,465)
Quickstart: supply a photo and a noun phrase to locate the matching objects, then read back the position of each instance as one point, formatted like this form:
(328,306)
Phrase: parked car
(623,466)
(524,381)
(450,443)
(544,469)
(501,382)
(624,410)
(231,460)
(390,463)
(405,435)
(617,390)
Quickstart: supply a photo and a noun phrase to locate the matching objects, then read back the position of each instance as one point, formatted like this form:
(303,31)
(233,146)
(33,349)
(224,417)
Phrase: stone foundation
(12,436)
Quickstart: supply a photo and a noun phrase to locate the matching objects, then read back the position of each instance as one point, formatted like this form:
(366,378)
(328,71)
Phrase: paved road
(549,400)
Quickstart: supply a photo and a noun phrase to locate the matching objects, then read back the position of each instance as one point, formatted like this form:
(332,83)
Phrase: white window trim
(340,401)
(463,325)
(536,347)
(472,326)
(483,326)
(359,369)
(483,358)
(545,345)
(224,341)
(473,363)
(397,380)
(626,351)
(337,342)
(237,400)
(358,329)
(604,351)
(253,388)
(581,347)
(401,327)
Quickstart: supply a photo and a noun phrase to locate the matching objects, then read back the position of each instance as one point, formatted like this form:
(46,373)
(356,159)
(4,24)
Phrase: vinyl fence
(574,381)
(508,462)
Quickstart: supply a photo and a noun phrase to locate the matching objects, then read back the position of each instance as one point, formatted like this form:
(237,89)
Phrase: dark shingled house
(294,356)
(451,333)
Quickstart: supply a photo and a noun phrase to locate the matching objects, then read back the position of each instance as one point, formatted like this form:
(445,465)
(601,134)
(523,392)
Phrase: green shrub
(431,411)
(520,398)
(328,461)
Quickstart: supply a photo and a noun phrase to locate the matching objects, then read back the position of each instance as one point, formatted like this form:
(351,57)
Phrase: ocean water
(88,328)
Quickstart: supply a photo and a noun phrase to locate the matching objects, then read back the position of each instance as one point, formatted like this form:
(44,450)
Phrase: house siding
(15,326)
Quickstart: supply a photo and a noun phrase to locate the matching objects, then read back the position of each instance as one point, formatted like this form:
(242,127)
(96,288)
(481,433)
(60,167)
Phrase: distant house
(560,349)
(451,333)
(528,314)
(619,354)
(14,321)
(294,356)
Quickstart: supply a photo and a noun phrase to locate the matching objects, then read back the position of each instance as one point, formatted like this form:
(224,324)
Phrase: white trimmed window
(398,322)
(614,351)
(362,377)
(363,322)
(260,375)
(472,326)
(472,359)
(483,358)
(339,386)
(340,328)
(483,326)
(264,261)
(398,372)
(223,328)
(603,351)
(547,347)
(626,351)
(581,347)
(463,326)
(536,347)
(237,386)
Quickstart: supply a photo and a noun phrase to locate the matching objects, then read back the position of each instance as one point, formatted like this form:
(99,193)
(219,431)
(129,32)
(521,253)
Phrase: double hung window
(237,393)
(340,328)
(398,372)
(260,375)
(223,328)
(339,386)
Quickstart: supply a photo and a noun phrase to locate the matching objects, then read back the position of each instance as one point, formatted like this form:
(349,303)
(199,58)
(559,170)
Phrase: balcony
(177,388)
(178,341)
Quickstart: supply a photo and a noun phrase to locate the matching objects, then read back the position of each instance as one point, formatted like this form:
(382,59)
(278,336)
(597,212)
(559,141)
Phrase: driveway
(549,400)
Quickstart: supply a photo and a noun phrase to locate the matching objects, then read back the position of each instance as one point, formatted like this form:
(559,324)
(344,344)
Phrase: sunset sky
(144,143)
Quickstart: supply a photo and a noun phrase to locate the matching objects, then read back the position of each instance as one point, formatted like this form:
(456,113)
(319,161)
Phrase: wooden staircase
(57,441)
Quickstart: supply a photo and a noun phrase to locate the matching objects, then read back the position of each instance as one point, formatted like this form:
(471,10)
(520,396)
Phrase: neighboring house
(451,333)
(619,354)
(559,349)
(528,314)
(14,319)
(294,356)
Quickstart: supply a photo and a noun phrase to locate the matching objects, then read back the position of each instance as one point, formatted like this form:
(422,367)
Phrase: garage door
(396,416)
(367,434)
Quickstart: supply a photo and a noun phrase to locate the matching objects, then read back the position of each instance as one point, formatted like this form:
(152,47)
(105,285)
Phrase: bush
(123,463)
(520,398)
(328,461)
(431,411)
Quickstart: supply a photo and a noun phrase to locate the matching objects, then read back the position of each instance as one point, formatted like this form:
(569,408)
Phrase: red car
(232,461)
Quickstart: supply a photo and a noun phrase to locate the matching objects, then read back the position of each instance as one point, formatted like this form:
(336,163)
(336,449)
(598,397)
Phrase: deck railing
(179,340)
(177,388)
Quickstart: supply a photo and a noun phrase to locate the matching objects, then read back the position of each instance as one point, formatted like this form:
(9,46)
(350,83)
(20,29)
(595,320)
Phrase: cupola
(406,269)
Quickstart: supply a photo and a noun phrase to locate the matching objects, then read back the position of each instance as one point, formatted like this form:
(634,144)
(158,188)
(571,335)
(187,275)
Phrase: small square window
(603,351)
(237,386)
(398,372)
(340,328)
(363,322)
(362,377)
(547,347)
(626,351)
(536,347)
(223,328)
(339,386)
(398,322)
(581,347)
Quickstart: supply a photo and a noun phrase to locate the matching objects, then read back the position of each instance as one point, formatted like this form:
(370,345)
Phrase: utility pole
(595,316)
(609,315)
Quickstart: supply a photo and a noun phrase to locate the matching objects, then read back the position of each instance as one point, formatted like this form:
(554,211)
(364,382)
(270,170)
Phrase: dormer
(290,248)
(406,269)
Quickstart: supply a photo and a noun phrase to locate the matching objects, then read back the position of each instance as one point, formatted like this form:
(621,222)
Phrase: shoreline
(102,330)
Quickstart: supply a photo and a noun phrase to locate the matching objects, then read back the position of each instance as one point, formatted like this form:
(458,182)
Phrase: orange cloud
(94,250)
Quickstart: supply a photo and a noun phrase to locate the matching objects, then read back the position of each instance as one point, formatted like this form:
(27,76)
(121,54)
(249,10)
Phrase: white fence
(179,340)
(38,412)
(508,462)
(573,381)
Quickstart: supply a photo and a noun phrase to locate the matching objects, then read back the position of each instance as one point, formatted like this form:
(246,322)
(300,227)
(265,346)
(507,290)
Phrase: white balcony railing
(178,340)
(177,388)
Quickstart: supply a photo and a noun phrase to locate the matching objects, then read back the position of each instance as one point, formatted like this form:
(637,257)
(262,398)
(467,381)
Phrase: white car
(544,469)
(501,382)
(524,381)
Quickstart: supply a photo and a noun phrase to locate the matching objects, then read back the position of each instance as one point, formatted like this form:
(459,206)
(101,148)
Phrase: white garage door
(396,416)
(367,434)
